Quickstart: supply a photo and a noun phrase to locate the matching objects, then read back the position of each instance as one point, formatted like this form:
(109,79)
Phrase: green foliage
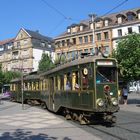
(60,59)
(45,63)
(9,75)
(127,54)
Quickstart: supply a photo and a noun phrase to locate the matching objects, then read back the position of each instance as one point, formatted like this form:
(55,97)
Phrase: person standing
(125,94)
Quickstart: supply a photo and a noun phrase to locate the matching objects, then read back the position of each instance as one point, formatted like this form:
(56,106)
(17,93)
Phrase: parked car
(134,86)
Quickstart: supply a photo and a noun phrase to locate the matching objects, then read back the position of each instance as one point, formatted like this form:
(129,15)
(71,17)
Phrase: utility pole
(93,16)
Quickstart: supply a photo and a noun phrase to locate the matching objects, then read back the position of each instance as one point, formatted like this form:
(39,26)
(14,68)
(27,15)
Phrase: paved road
(33,123)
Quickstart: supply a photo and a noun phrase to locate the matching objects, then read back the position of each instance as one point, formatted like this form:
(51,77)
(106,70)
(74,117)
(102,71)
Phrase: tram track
(107,133)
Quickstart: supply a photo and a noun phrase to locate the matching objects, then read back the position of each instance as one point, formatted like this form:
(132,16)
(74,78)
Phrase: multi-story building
(25,50)
(97,33)
(77,39)
(127,22)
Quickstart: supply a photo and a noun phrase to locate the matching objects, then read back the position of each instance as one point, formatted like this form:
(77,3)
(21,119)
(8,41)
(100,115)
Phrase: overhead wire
(71,19)
(116,7)
(56,10)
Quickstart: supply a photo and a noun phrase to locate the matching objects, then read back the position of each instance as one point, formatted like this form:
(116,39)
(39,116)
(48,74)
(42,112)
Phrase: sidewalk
(34,123)
(133,103)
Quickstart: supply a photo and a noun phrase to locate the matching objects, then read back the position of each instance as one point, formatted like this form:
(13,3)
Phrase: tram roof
(86,59)
(27,77)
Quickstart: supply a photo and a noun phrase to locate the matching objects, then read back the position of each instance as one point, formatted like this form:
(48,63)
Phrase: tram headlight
(100,102)
(114,101)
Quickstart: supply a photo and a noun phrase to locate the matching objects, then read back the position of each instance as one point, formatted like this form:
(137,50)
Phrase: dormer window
(130,16)
(138,12)
(91,26)
(98,22)
(68,30)
(106,22)
(119,20)
(81,27)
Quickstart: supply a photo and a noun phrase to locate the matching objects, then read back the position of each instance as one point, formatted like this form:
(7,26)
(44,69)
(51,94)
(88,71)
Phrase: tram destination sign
(105,63)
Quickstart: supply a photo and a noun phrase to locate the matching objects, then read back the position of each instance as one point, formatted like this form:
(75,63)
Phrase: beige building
(24,52)
(97,33)
(76,40)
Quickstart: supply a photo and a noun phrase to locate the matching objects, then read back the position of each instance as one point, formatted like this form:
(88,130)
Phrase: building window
(138,15)
(68,30)
(74,41)
(25,42)
(129,30)
(139,28)
(130,17)
(43,44)
(80,40)
(18,44)
(80,51)
(98,24)
(86,50)
(63,43)
(98,36)
(86,39)
(73,54)
(119,20)
(81,28)
(92,51)
(106,22)
(69,55)
(106,35)
(68,42)
(1,47)
(119,32)
(91,38)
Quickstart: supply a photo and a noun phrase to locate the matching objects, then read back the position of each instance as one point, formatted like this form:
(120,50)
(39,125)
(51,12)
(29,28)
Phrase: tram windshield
(105,74)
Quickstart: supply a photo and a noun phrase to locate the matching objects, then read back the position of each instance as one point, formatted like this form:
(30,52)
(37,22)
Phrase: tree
(60,59)
(45,63)
(9,75)
(127,54)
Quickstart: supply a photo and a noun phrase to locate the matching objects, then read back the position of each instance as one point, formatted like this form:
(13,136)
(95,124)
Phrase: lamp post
(22,90)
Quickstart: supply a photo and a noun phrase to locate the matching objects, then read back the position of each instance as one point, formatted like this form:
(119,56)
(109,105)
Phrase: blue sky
(51,17)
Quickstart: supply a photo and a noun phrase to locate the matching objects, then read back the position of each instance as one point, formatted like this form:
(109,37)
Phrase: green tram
(83,89)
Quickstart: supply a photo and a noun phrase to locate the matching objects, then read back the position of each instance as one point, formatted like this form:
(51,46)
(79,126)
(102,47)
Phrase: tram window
(62,82)
(37,85)
(25,86)
(67,81)
(105,74)
(58,82)
(75,81)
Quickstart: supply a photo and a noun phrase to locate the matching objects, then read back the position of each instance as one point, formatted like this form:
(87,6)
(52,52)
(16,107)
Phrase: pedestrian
(125,94)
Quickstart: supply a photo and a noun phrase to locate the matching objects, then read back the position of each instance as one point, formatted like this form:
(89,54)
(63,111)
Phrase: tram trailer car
(83,89)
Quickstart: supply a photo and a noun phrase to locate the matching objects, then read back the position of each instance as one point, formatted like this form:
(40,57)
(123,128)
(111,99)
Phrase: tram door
(51,97)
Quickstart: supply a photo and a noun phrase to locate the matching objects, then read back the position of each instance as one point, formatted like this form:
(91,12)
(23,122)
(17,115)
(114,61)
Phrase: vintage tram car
(82,89)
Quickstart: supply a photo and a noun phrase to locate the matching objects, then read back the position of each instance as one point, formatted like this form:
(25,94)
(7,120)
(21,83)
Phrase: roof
(86,59)
(6,41)
(36,34)
(112,17)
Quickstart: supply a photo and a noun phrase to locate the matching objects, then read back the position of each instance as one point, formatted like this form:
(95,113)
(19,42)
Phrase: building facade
(76,40)
(24,51)
(97,33)
(127,22)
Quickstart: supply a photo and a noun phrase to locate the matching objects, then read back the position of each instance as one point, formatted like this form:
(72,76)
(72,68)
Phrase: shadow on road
(20,134)
(133,101)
